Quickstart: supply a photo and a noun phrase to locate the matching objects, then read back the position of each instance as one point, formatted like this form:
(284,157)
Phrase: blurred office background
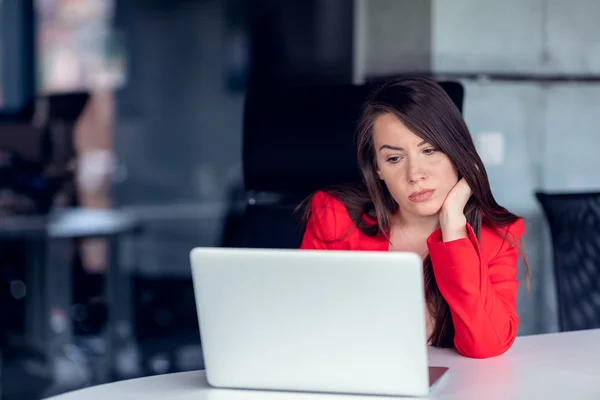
(121,149)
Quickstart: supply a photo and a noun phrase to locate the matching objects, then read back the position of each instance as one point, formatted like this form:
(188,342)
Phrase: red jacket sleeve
(327,225)
(482,295)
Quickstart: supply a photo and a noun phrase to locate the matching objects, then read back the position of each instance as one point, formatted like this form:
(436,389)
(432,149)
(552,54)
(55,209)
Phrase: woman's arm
(328,219)
(482,296)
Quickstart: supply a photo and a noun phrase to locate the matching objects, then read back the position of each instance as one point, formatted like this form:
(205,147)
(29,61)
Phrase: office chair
(574,221)
(297,140)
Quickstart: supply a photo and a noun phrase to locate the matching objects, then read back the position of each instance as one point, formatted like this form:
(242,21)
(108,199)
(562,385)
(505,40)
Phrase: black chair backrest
(574,221)
(298,140)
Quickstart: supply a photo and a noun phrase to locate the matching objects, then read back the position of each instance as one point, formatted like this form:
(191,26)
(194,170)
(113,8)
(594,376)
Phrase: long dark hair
(426,109)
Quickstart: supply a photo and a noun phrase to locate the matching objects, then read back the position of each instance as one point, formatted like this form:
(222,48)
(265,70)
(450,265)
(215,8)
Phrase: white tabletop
(82,222)
(69,223)
(552,366)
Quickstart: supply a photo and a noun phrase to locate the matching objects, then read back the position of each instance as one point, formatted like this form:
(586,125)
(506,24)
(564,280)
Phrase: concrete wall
(518,111)
(535,36)
(398,35)
(505,36)
(511,36)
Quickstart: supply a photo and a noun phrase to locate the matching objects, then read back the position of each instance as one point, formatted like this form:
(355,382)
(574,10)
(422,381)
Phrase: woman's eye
(393,160)
(429,151)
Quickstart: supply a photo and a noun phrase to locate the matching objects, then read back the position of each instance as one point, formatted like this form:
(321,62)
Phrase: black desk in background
(48,301)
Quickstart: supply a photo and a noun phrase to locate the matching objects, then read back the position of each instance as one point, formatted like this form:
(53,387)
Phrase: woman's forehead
(389,130)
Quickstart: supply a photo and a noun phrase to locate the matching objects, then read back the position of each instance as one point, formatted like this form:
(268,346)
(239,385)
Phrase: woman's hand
(452,217)
(457,198)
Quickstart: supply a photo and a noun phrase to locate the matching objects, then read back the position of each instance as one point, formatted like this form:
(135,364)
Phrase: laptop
(313,321)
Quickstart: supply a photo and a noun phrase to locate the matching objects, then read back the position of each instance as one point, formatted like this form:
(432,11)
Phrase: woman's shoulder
(503,236)
(514,229)
(322,198)
(331,224)
(330,214)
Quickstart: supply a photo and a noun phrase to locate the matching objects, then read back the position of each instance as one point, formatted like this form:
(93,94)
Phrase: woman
(426,191)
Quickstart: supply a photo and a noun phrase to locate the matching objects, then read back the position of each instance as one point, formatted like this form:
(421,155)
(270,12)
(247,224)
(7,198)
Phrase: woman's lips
(423,195)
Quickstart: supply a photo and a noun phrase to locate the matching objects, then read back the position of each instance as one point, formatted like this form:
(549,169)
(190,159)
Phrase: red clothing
(478,279)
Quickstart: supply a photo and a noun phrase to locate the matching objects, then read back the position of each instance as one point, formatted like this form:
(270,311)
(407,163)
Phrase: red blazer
(478,279)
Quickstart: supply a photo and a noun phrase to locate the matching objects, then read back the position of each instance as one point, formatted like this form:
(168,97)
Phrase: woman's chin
(426,210)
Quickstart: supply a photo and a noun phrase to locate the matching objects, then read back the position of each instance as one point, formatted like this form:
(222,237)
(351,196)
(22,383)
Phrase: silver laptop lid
(322,321)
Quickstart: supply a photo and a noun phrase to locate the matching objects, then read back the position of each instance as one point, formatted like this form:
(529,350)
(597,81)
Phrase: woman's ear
(377,171)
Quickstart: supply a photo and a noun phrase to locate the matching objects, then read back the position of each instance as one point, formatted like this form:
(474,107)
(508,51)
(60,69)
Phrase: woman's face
(417,175)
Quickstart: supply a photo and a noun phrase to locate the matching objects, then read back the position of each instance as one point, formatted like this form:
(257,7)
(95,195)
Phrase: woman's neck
(410,234)
(413,223)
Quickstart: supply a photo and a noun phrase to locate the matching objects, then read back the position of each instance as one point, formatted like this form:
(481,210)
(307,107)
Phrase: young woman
(426,191)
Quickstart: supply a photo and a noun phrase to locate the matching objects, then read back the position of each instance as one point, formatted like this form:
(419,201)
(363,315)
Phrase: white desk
(555,366)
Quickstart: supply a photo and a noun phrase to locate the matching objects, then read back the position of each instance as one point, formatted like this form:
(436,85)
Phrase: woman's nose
(416,173)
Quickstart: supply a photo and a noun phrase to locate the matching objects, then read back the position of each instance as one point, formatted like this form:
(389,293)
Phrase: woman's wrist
(453,225)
